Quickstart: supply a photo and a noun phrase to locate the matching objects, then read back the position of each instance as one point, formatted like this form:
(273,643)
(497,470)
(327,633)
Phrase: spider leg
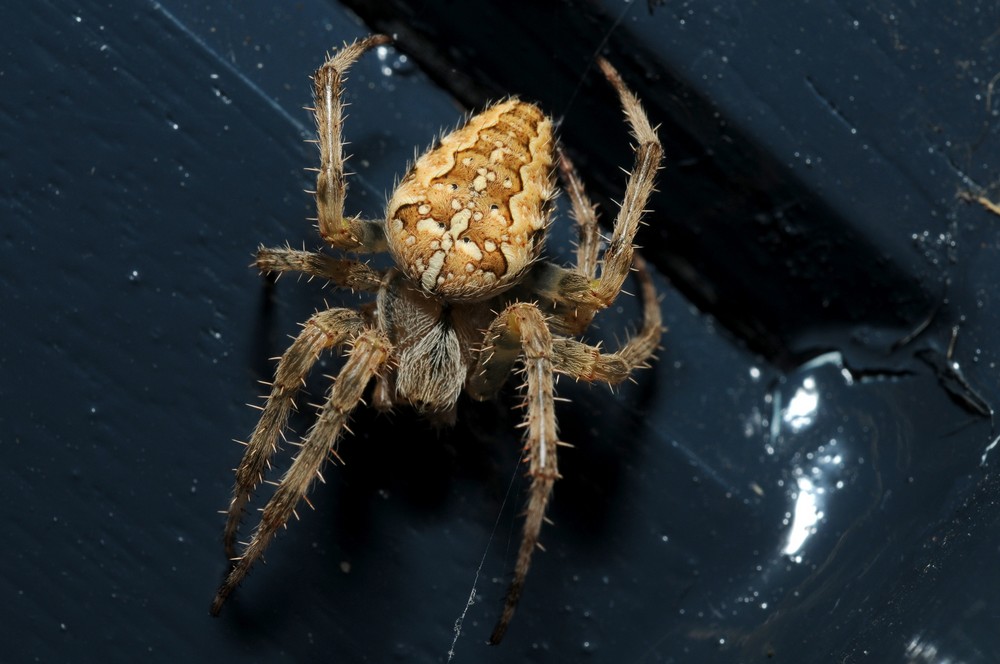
(343,272)
(370,351)
(345,233)
(584,362)
(576,294)
(326,329)
(648,155)
(585,214)
(578,289)
(523,327)
(500,351)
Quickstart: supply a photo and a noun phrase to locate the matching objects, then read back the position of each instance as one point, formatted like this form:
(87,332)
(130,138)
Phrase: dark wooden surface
(810,238)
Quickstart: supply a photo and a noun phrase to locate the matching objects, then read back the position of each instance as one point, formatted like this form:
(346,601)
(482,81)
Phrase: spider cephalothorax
(467,301)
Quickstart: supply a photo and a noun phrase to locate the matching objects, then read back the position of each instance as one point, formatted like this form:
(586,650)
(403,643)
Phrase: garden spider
(468,299)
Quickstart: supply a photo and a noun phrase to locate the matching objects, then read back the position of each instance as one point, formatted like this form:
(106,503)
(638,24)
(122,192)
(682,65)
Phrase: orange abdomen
(471,214)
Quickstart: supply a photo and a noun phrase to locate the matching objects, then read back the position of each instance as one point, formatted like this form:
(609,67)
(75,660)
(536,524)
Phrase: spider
(468,299)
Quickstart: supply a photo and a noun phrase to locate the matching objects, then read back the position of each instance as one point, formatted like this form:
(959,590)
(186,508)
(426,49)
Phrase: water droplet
(223,97)
(392,62)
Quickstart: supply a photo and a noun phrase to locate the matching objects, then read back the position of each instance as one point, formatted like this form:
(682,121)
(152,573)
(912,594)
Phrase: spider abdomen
(470,215)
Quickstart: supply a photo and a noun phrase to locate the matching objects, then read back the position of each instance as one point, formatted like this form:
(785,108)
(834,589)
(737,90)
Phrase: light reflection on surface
(816,473)
(918,650)
(806,515)
(392,62)
(799,412)
(802,407)
(814,481)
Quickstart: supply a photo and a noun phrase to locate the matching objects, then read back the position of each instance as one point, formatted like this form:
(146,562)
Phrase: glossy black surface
(804,476)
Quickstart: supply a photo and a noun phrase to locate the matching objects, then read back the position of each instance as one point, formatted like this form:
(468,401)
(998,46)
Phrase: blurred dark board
(831,357)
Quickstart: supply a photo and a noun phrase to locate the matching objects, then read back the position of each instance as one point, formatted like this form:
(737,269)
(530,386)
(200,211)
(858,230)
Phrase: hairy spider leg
(582,361)
(325,330)
(578,293)
(354,233)
(584,213)
(342,272)
(617,257)
(523,327)
(370,351)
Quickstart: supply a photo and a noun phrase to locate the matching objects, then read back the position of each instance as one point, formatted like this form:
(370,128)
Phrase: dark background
(830,285)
